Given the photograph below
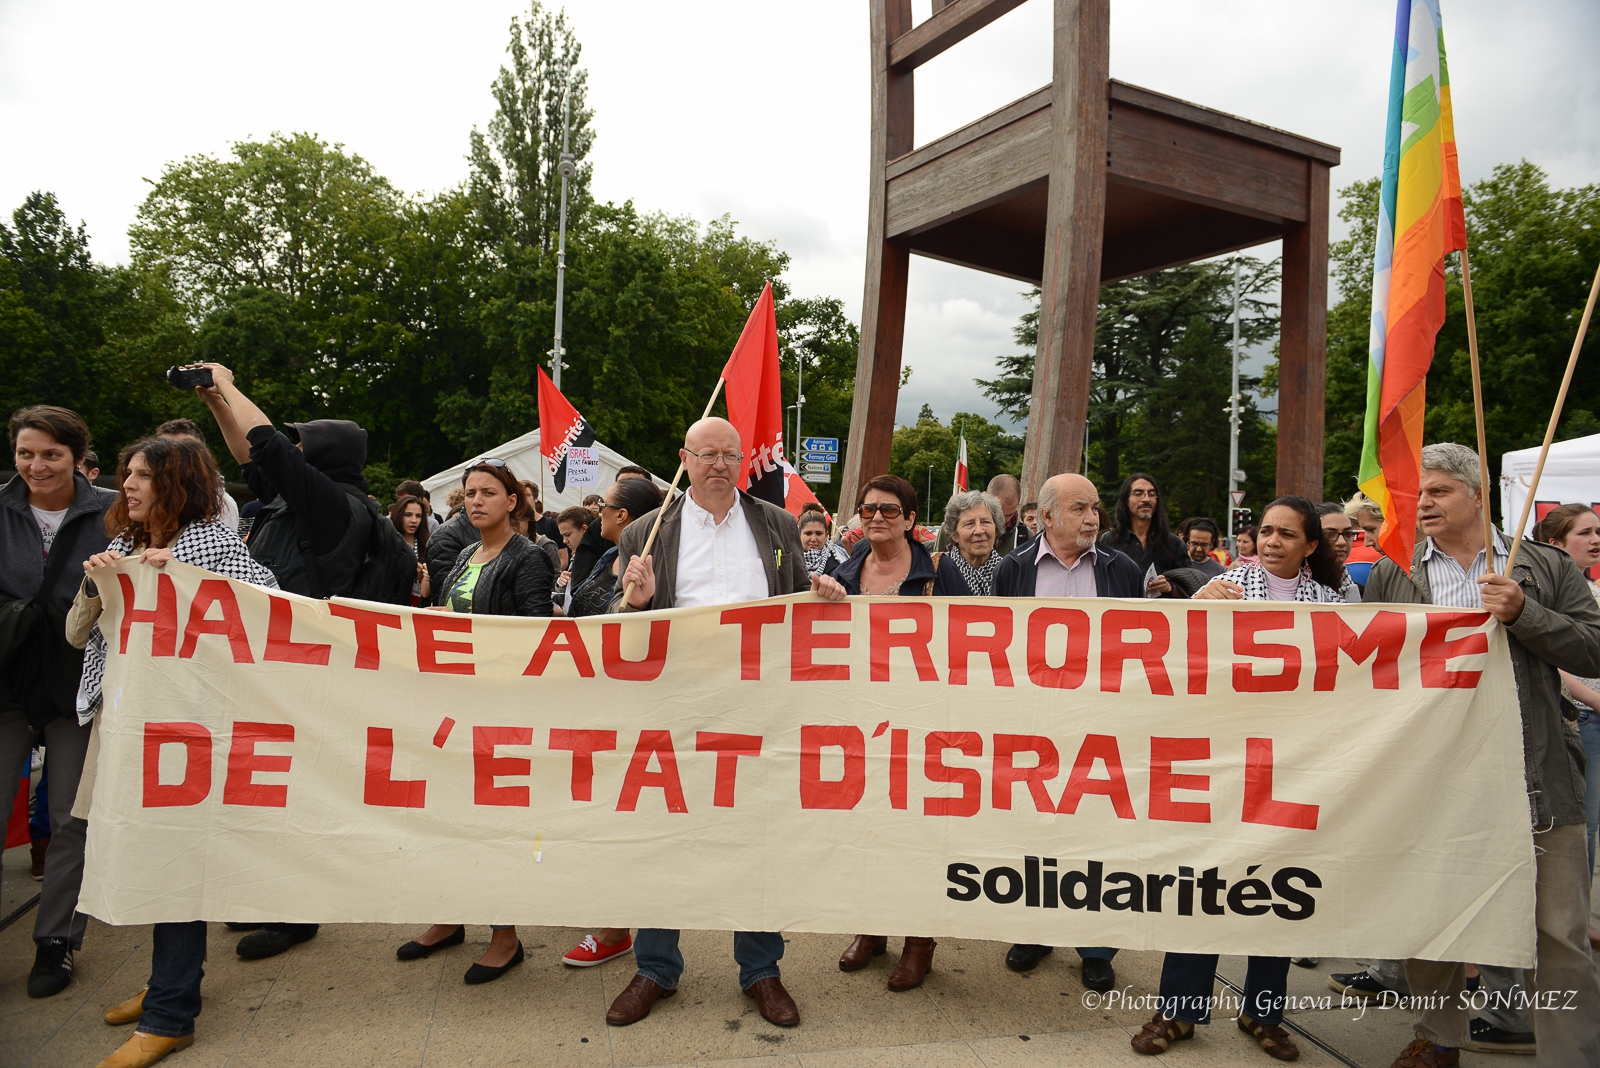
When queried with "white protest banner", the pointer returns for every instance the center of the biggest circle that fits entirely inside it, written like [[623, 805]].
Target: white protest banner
[[1205, 776]]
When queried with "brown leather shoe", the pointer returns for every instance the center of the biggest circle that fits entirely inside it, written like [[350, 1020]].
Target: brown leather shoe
[[128, 1012], [861, 952], [1160, 1033], [635, 1001], [774, 1002], [142, 1050], [915, 960], [1271, 1038], [1424, 1054]]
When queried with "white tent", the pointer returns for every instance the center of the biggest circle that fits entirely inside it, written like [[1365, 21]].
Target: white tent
[[527, 464], [1571, 476]]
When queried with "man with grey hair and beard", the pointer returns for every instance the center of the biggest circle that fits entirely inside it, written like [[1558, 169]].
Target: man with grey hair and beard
[[1065, 559], [1551, 623]]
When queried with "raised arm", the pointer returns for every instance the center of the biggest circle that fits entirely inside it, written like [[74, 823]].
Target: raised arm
[[235, 413]]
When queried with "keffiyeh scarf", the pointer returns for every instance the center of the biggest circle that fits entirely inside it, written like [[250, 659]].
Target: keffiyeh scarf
[[817, 559], [209, 545], [1252, 578]]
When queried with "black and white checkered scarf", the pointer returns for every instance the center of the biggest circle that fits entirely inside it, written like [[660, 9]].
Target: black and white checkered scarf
[[208, 545], [1252, 577]]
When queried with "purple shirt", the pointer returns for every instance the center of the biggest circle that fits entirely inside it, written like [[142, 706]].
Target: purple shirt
[[1056, 579]]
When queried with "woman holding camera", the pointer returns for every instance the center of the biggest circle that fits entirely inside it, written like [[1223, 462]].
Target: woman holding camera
[[168, 510], [504, 574]]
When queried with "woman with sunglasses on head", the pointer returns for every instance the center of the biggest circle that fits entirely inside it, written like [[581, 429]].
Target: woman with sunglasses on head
[[1295, 562], [889, 561], [504, 574], [168, 510]]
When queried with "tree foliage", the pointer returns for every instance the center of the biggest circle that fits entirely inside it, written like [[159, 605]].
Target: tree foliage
[[925, 453], [332, 294], [1162, 373], [1534, 250]]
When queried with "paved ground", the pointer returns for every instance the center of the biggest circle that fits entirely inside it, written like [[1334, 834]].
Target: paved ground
[[343, 1000]]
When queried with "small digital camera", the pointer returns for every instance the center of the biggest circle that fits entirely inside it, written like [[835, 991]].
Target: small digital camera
[[189, 377]]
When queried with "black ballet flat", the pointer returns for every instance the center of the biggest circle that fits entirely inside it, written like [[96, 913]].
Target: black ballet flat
[[416, 950], [483, 973]]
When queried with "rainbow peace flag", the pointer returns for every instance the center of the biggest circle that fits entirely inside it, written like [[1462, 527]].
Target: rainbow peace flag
[[1419, 222]]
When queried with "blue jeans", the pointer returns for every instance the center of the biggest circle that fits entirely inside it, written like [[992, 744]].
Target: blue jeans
[[1187, 980], [656, 951], [1589, 731], [177, 960], [39, 822]]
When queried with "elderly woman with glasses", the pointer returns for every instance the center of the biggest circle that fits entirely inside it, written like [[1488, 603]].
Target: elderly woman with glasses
[[890, 562]]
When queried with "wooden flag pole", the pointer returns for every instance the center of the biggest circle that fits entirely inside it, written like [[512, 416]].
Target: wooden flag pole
[[662, 511], [1477, 404], [1555, 417]]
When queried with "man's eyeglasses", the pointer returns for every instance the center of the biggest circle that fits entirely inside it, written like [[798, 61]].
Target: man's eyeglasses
[[888, 511], [1206, 545], [1139, 493], [711, 459]]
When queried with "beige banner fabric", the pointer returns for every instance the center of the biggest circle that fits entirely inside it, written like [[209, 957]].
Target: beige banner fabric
[[1276, 778]]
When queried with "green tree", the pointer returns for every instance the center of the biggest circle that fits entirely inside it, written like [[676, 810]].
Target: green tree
[[817, 330], [1534, 251], [514, 186], [929, 443], [1145, 398]]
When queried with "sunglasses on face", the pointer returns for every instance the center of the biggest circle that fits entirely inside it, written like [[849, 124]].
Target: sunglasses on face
[[888, 511]]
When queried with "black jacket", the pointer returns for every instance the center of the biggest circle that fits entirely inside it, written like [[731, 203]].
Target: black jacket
[[1164, 555], [947, 581], [42, 676], [515, 583], [1114, 574], [590, 548], [445, 544], [311, 504]]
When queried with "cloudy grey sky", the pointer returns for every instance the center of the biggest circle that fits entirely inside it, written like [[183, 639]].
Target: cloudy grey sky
[[758, 110]]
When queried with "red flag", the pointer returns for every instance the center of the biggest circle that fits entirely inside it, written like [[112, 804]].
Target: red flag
[[755, 402], [561, 427]]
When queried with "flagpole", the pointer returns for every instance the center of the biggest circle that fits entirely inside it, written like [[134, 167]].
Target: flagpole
[[1477, 404], [1555, 417], [662, 511]]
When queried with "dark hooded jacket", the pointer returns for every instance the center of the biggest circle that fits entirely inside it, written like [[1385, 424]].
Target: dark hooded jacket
[[314, 504], [946, 580], [42, 676]]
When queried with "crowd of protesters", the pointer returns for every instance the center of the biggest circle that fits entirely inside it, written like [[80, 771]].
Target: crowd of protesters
[[313, 529]]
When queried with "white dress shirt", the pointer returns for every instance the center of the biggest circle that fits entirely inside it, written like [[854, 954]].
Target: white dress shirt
[[718, 563], [1455, 587]]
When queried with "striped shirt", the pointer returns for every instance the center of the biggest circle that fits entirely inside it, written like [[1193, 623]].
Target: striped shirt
[[1450, 586]]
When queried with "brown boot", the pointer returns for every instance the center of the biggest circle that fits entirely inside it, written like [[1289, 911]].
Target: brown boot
[[861, 951], [142, 1050], [1271, 1038], [128, 1012], [915, 960], [774, 1002], [1424, 1054], [636, 1001]]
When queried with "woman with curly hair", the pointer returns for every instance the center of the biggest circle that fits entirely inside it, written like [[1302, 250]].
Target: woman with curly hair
[[1294, 563], [167, 510]]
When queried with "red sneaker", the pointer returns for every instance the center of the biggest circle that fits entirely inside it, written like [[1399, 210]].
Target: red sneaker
[[589, 952]]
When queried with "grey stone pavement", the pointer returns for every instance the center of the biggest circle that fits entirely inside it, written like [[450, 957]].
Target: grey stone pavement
[[342, 1000]]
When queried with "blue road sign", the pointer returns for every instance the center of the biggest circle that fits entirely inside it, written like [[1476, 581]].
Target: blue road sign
[[820, 444], [820, 456]]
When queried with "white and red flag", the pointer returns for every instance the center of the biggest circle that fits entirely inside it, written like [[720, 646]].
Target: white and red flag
[[561, 427], [961, 466], [755, 407]]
